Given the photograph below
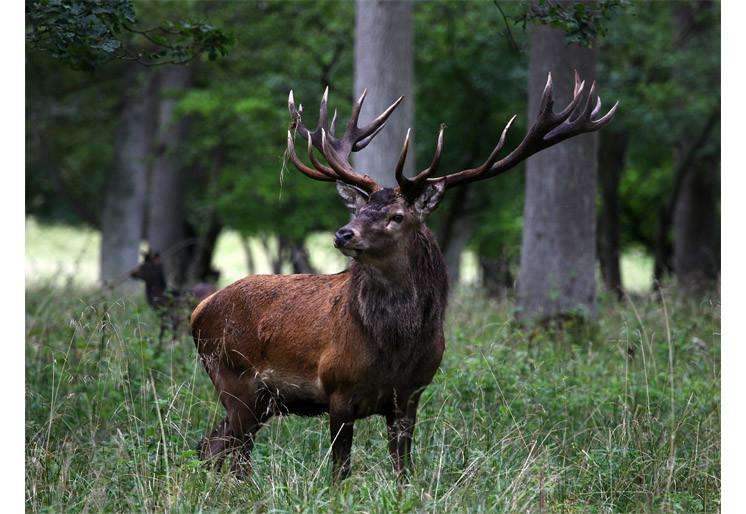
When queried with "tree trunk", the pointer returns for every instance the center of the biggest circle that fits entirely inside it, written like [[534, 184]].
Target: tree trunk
[[384, 64], [694, 210], [463, 227], [249, 254], [276, 257], [686, 162], [300, 260], [200, 266], [558, 252], [455, 232], [612, 156], [124, 204], [166, 224], [497, 279], [696, 248]]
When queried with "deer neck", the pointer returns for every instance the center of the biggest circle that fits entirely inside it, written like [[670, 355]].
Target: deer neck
[[403, 300]]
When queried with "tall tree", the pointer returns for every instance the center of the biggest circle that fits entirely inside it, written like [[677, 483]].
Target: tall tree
[[612, 159], [696, 245], [558, 252], [166, 226], [696, 230], [384, 64], [124, 204]]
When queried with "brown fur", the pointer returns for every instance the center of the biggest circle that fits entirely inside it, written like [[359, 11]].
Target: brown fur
[[362, 342]]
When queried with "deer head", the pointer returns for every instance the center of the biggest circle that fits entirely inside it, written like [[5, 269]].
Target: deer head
[[150, 269], [385, 219]]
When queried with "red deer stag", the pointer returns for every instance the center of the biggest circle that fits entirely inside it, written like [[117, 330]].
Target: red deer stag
[[367, 340]]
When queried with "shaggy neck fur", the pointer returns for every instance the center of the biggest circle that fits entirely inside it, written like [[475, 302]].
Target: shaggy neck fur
[[402, 303]]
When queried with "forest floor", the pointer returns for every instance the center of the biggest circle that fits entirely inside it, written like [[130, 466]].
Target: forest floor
[[619, 415]]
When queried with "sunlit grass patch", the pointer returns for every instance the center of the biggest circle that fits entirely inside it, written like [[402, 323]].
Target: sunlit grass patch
[[62, 254]]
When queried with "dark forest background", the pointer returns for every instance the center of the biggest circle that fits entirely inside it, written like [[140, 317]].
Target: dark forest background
[[165, 123]]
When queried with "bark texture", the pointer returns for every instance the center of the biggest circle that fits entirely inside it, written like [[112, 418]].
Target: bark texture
[[124, 203], [696, 230], [696, 242], [166, 225], [612, 158], [384, 64], [558, 252]]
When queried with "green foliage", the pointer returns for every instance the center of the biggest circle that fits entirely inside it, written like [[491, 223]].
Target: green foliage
[[620, 416], [85, 34], [667, 89], [240, 116], [583, 22], [468, 73], [474, 80]]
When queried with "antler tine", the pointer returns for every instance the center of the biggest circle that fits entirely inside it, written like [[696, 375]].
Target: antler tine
[[597, 107], [326, 170], [606, 118], [344, 171], [336, 150], [378, 123], [322, 109], [548, 129], [546, 97], [410, 188], [475, 173], [295, 114], [586, 113], [310, 172], [364, 142], [333, 126], [399, 171], [578, 84], [355, 114], [436, 158], [577, 97], [499, 146]]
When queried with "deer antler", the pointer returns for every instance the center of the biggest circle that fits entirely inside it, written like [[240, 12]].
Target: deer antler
[[412, 187], [549, 129], [335, 150]]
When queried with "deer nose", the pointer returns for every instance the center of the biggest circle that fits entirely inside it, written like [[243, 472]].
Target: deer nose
[[342, 236]]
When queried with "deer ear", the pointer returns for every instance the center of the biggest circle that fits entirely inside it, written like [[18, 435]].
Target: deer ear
[[353, 197], [430, 198]]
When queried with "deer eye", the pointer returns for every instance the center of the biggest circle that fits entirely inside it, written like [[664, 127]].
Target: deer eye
[[397, 218]]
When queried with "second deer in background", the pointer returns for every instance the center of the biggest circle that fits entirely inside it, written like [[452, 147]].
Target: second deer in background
[[170, 304]]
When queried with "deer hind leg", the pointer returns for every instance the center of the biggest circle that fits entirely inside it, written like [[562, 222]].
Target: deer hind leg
[[247, 409]]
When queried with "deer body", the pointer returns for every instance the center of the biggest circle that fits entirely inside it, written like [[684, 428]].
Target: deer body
[[301, 339], [370, 339], [362, 342]]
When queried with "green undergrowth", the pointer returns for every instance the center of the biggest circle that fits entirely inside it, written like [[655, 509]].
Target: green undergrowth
[[619, 415]]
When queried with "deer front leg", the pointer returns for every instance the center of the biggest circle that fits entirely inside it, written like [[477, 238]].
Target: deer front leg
[[400, 424], [341, 421]]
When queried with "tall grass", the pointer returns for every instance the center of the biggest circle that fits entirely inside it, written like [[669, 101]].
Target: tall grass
[[622, 415]]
